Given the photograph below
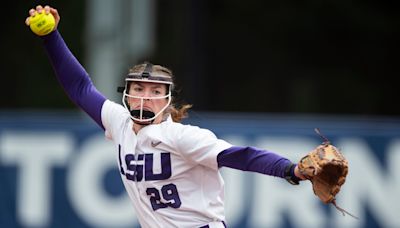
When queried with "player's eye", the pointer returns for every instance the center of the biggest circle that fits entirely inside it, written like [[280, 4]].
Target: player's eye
[[137, 89], [157, 92]]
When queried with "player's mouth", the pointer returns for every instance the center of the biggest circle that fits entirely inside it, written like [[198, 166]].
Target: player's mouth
[[145, 108], [142, 114]]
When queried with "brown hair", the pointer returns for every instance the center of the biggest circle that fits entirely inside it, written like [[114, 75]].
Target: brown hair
[[178, 112]]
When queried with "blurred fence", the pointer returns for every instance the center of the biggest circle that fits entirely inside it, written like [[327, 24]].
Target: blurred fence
[[58, 170]]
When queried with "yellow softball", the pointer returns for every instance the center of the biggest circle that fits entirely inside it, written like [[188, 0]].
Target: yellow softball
[[42, 23]]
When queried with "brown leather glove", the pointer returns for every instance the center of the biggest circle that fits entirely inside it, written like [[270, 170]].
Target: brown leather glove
[[327, 169]]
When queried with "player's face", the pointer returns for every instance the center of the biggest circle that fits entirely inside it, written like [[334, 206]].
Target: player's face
[[149, 90]]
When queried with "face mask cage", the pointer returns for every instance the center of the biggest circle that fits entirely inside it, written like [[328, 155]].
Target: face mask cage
[[141, 115]]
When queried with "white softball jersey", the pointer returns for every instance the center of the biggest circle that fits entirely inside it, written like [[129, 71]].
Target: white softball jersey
[[169, 170]]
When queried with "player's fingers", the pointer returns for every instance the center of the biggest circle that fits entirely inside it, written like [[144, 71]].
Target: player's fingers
[[55, 14], [27, 21], [47, 9], [32, 12], [54, 11], [39, 8]]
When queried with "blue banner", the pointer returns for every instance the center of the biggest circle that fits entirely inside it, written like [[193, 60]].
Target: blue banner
[[58, 170]]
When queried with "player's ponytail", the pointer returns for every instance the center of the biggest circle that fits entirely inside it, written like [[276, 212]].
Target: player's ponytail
[[180, 113]]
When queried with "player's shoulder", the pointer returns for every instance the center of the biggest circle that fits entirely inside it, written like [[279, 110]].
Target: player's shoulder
[[172, 125], [181, 129], [114, 110], [114, 107], [114, 116]]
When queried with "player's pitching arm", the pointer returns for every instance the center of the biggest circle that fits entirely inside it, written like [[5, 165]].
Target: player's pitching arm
[[70, 73]]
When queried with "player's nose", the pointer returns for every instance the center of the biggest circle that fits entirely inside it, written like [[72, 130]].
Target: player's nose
[[147, 93]]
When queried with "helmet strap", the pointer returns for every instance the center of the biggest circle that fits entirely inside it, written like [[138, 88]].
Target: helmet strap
[[147, 70]]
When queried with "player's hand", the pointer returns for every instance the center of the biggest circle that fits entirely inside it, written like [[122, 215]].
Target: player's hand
[[47, 10], [298, 173]]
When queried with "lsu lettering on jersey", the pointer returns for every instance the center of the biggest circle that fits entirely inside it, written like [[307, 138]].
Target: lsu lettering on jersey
[[169, 170]]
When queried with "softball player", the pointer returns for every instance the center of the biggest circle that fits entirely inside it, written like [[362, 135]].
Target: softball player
[[170, 170]]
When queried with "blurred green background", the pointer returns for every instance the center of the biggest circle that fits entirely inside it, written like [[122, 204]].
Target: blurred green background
[[322, 57]]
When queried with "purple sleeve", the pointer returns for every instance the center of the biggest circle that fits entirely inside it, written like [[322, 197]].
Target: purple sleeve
[[73, 77], [253, 159]]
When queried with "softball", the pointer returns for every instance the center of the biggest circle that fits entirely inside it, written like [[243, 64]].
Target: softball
[[42, 23]]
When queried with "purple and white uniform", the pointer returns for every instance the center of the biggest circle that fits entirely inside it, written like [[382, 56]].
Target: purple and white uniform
[[170, 170]]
